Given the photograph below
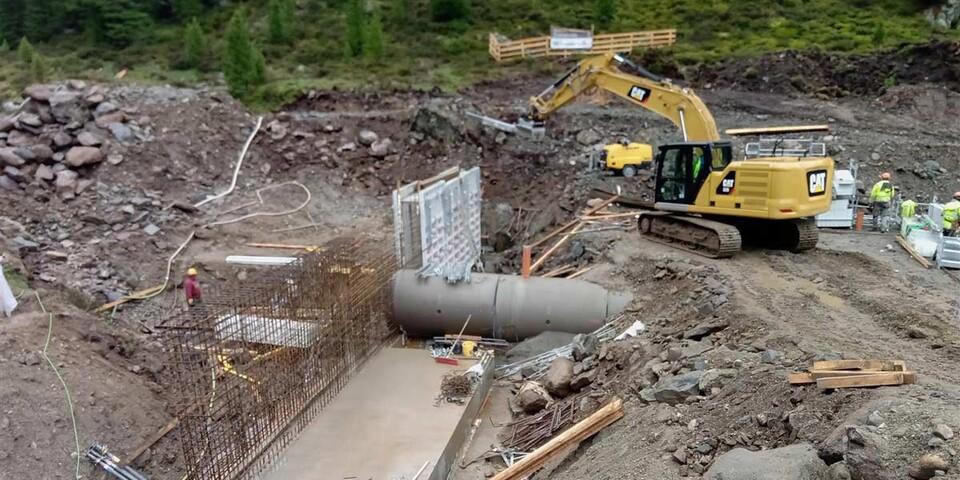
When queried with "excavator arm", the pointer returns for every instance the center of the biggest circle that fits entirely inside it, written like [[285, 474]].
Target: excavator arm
[[679, 105]]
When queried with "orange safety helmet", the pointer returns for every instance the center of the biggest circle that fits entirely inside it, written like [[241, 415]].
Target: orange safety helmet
[[885, 176]]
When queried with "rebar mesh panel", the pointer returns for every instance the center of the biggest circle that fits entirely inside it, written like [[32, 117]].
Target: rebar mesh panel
[[258, 360]]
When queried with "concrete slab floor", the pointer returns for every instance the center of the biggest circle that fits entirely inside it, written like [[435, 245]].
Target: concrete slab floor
[[383, 426]]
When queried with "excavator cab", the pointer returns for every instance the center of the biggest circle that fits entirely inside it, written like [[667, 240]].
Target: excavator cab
[[683, 168]]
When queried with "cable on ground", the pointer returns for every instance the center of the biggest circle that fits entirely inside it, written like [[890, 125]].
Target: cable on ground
[[73, 417]]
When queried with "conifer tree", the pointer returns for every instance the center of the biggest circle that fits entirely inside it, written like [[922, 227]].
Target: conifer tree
[[243, 65], [25, 52], [373, 40], [195, 47], [355, 31]]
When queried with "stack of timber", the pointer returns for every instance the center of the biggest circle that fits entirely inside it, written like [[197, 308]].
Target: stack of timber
[[855, 373]]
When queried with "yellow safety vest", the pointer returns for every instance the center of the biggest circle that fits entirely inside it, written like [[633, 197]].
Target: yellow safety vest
[[908, 209], [951, 212], [882, 192]]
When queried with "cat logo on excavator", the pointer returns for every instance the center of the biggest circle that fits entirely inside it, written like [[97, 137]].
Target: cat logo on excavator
[[817, 182]]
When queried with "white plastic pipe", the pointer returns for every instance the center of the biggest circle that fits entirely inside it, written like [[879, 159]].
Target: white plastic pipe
[[236, 171], [260, 261]]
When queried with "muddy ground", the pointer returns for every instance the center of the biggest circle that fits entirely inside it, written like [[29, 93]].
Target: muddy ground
[[855, 296]]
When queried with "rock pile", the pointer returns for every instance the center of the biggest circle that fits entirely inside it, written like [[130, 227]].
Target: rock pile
[[58, 134]]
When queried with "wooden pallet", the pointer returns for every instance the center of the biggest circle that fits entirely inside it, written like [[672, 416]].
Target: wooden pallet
[[854, 373]]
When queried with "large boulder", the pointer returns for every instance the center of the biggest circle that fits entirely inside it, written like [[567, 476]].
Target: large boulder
[[68, 107], [367, 137], [7, 124], [435, 125], [557, 380], [532, 397], [42, 152], [380, 148], [81, 156], [674, 389], [583, 346], [88, 139], [40, 93], [588, 137], [716, 378], [121, 132], [794, 462], [10, 158]]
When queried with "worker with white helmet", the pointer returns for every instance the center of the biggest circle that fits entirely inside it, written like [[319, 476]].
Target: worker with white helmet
[[951, 215], [881, 195], [191, 287]]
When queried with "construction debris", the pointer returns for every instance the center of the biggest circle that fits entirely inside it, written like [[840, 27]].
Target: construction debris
[[529, 433], [541, 363], [101, 457], [583, 430], [456, 385], [855, 373]]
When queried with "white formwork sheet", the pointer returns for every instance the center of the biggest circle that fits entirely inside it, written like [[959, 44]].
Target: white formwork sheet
[[446, 215]]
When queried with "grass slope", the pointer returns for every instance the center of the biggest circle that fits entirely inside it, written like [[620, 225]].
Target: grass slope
[[425, 54]]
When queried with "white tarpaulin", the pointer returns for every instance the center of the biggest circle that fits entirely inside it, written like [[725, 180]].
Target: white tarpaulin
[[7, 301]]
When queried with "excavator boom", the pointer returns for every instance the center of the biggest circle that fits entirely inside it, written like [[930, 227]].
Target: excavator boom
[[678, 104]]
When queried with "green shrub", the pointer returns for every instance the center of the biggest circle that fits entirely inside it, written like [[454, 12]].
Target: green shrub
[[356, 18], [373, 40], [605, 12], [281, 20], [448, 10], [243, 65], [194, 46], [25, 52]]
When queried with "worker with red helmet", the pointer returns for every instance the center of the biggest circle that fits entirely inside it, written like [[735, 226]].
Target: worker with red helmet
[[191, 287], [881, 195], [951, 216]]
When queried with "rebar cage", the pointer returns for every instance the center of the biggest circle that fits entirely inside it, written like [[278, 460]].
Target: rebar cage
[[256, 361]]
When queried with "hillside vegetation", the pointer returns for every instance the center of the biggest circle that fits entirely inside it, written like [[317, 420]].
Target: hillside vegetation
[[273, 49]]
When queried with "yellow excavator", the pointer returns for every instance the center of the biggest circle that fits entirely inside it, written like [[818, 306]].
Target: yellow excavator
[[705, 201]]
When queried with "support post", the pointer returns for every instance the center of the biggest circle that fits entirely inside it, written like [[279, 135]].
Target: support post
[[526, 260]]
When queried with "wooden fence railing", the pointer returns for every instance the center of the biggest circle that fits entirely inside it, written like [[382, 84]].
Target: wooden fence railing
[[503, 50]]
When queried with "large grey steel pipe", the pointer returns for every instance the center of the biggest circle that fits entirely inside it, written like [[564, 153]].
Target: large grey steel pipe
[[502, 306]]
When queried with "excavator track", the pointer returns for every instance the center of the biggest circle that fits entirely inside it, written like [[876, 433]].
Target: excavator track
[[697, 235], [807, 234]]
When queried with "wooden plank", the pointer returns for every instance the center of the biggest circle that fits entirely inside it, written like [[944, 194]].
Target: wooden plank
[[913, 252], [166, 429], [856, 364], [817, 374], [556, 272], [611, 215], [777, 130], [800, 378], [550, 251], [284, 246], [573, 222], [583, 430], [877, 379], [133, 296], [580, 272]]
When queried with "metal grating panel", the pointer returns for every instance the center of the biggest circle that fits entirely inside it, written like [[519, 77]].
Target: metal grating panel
[[448, 222]]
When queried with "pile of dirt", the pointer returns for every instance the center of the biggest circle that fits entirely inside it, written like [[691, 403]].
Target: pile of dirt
[[836, 75]]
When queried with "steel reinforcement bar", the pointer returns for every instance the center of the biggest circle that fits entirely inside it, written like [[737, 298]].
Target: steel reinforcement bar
[[256, 361]]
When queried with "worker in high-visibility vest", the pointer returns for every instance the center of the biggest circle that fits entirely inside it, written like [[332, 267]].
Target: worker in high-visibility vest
[[908, 209], [880, 197], [951, 216]]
